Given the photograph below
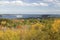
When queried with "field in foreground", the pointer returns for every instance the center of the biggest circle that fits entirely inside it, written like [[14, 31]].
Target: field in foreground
[[30, 29]]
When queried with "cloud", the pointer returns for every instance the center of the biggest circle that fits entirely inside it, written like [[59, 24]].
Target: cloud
[[57, 0], [21, 3], [43, 4], [48, 0], [4, 2], [54, 3], [17, 3]]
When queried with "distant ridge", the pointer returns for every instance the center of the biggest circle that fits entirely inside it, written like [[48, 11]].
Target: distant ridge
[[28, 15]]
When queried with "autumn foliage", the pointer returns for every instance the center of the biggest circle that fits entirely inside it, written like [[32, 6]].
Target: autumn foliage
[[30, 29]]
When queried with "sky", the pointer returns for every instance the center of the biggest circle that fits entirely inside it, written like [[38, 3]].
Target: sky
[[29, 6]]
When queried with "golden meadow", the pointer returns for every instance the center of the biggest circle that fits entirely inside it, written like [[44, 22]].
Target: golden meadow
[[30, 29]]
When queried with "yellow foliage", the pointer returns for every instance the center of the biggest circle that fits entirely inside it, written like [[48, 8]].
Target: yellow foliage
[[1, 33], [9, 34], [37, 25], [3, 22], [56, 25]]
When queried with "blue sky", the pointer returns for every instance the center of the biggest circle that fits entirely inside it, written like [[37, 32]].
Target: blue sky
[[29, 6]]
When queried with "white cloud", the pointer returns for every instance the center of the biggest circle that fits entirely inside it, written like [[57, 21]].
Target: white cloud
[[54, 3], [57, 0], [4, 2], [57, 4], [17, 3], [48, 0], [35, 4], [21, 3], [43, 4]]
